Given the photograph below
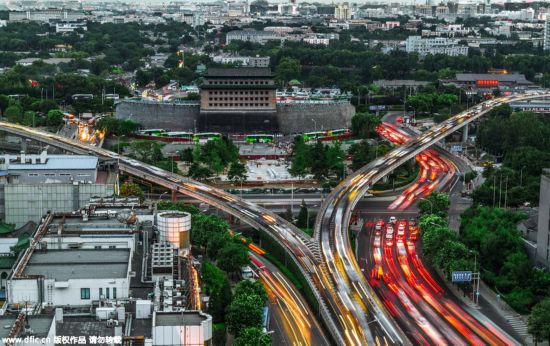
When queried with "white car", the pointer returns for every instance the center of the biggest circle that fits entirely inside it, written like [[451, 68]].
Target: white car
[[392, 219]]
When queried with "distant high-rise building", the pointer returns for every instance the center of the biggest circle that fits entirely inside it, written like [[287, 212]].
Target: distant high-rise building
[[342, 12], [547, 33]]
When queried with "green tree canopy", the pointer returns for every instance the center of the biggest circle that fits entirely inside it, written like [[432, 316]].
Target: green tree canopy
[[539, 321], [252, 336], [363, 125]]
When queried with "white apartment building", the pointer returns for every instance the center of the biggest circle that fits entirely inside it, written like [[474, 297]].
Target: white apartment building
[[261, 37], [46, 15], [342, 12], [248, 61], [438, 45]]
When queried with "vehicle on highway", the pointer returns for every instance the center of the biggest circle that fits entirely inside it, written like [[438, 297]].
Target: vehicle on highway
[[378, 226], [413, 229], [401, 230], [389, 239], [393, 219]]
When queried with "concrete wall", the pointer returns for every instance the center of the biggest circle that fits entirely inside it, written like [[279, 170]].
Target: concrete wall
[[154, 115], [291, 118], [297, 118]]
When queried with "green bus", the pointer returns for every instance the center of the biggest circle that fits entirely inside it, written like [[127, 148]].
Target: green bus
[[259, 138], [207, 136]]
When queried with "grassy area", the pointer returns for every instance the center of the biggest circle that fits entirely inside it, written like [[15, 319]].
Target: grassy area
[[287, 273], [399, 182], [351, 239], [308, 231]]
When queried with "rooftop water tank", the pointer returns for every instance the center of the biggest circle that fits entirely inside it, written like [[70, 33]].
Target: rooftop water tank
[[174, 227]]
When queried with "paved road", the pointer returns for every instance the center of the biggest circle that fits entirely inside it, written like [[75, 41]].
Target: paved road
[[293, 322]]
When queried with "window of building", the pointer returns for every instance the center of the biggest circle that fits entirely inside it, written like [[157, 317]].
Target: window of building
[[33, 174], [49, 174], [114, 292], [100, 292], [97, 247], [107, 293], [84, 293], [112, 246], [64, 174]]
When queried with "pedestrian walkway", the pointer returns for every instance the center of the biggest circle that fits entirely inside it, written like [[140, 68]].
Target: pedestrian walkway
[[518, 323]]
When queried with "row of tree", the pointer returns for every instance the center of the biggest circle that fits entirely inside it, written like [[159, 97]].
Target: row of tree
[[321, 160], [213, 158], [492, 232], [242, 310], [522, 140]]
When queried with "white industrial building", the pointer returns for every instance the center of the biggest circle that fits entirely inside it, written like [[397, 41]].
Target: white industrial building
[[438, 45], [70, 277], [191, 328], [30, 185]]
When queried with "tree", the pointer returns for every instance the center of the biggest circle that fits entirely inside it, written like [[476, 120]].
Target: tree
[[117, 127], [360, 154], [300, 158], [54, 118], [251, 287], [205, 227], [14, 113], [186, 155], [146, 151], [319, 163], [363, 125], [286, 70], [218, 288], [246, 310], [237, 171], [335, 158], [199, 172], [129, 189], [302, 216], [232, 256], [436, 203], [252, 336], [4, 103], [539, 321]]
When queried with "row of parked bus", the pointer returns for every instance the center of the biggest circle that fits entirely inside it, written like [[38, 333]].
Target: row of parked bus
[[179, 136]]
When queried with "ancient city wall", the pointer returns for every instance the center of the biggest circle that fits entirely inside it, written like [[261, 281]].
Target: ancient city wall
[[291, 117]]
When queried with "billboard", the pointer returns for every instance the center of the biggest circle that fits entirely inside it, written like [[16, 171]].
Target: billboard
[[486, 83]]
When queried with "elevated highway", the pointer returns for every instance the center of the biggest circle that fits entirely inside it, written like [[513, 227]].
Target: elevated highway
[[347, 304], [301, 248], [331, 226]]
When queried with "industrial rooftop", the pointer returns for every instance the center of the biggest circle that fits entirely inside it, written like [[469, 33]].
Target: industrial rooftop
[[186, 318], [51, 162], [64, 265]]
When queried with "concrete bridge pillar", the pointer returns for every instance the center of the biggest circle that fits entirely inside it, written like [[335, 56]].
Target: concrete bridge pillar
[[465, 134], [174, 196], [23, 145]]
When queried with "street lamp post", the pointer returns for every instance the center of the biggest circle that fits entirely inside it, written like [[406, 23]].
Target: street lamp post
[[431, 204], [476, 275], [521, 176], [315, 123]]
